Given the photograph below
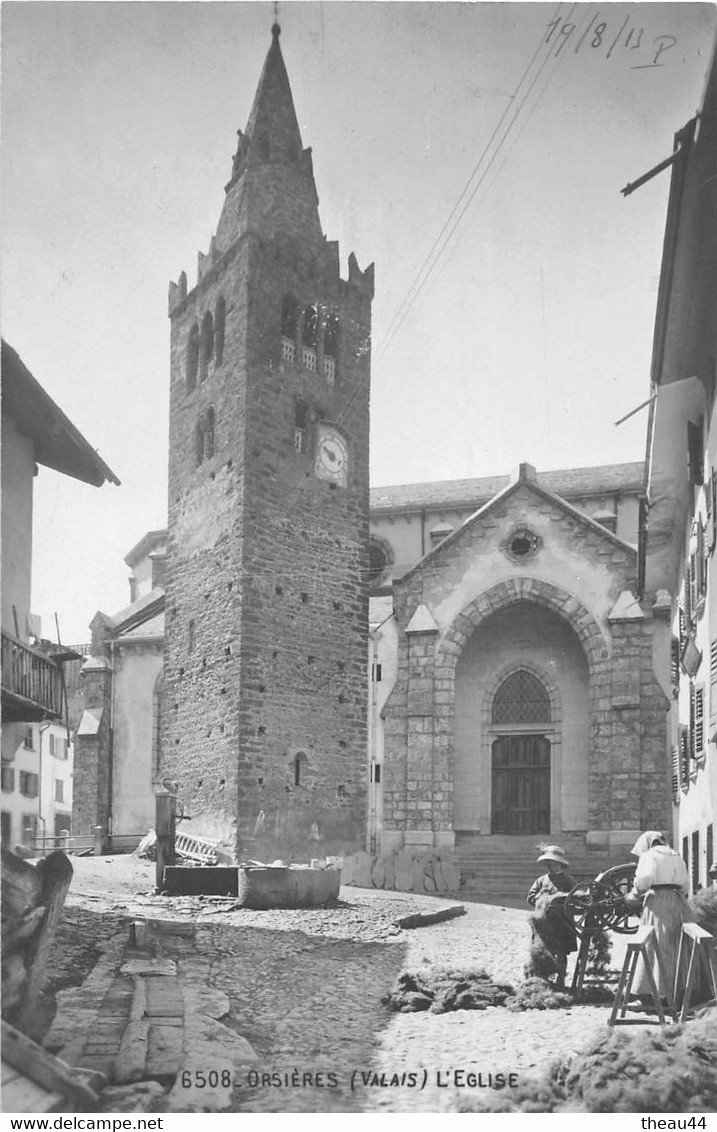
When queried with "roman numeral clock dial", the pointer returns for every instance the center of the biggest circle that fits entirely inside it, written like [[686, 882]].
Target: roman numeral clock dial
[[332, 457]]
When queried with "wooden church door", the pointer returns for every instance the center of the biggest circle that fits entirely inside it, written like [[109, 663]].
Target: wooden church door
[[521, 784], [520, 764]]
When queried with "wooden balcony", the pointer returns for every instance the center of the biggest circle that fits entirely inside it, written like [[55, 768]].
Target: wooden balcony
[[31, 683]]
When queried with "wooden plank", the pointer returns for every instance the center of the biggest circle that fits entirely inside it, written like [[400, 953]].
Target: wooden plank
[[8, 1073], [21, 1053], [23, 1095]]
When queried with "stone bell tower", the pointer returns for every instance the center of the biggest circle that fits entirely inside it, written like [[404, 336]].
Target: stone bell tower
[[264, 716]]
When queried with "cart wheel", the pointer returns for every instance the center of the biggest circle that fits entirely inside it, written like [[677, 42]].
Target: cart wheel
[[619, 880], [591, 907]]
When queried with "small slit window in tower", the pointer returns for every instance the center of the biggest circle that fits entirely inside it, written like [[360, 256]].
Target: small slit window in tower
[[521, 698], [220, 315], [207, 345], [190, 637], [192, 358], [209, 418], [198, 443], [300, 764]]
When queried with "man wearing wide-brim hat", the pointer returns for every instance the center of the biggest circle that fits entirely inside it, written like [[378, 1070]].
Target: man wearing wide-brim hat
[[551, 922]]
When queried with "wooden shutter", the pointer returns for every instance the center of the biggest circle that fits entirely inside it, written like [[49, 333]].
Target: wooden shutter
[[695, 454], [689, 605], [675, 662], [684, 757], [697, 710], [675, 774], [700, 565]]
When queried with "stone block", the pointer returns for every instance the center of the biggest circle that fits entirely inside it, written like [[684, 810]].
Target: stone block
[[404, 871], [215, 881], [356, 869]]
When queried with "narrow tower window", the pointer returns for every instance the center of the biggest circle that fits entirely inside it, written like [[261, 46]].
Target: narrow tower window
[[219, 320], [199, 442], [300, 763], [331, 346], [289, 320], [209, 433], [289, 312], [207, 345], [310, 326], [300, 419], [192, 357], [309, 335]]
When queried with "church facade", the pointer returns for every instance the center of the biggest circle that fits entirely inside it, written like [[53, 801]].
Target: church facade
[[522, 694]]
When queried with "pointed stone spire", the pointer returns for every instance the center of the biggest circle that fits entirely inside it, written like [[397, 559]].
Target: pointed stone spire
[[273, 118], [272, 184]]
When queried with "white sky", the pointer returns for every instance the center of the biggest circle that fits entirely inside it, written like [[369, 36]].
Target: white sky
[[534, 331]]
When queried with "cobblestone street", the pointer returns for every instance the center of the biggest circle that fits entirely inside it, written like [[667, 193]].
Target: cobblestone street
[[289, 1002]]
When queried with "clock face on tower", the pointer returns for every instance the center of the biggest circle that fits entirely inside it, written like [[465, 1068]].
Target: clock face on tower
[[332, 456]]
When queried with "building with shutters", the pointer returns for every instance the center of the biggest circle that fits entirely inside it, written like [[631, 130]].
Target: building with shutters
[[681, 535], [35, 433]]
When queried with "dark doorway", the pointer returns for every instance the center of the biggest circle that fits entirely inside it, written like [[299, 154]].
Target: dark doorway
[[521, 784]]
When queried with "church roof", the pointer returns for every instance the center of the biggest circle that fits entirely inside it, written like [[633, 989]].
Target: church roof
[[575, 483], [525, 479]]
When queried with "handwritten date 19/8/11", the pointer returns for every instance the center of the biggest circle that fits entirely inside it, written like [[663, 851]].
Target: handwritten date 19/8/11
[[601, 35]]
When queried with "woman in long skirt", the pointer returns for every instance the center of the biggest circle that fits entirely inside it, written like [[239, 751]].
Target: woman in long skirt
[[662, 879]]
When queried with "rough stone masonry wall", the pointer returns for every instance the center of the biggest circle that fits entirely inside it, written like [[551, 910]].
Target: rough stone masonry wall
[[305, 615], [200, 732], [269, 563], [629, 784], [91, 763]]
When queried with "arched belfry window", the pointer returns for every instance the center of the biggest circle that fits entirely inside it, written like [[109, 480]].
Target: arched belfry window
[[331, 346], [521, 698], [310, 326], [207, 345], [309, 337], [219, 321], [192, 357], [331, 336]]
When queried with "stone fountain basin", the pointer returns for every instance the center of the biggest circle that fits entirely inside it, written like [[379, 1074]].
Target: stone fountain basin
[[287, 886], [258, 886]]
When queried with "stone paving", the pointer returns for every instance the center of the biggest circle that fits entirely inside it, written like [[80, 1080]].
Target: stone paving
[[281, 1011]]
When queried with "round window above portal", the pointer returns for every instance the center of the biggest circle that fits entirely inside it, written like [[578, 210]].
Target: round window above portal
[[521, 543]]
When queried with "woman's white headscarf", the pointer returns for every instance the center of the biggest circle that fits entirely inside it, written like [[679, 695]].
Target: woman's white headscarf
[[646, 840]]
